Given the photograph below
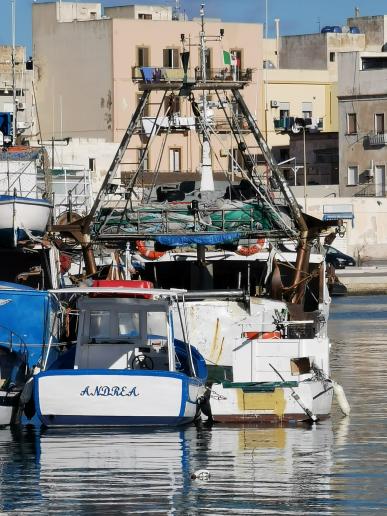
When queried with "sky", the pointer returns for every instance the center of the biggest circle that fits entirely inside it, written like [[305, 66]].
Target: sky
[[297, 16]]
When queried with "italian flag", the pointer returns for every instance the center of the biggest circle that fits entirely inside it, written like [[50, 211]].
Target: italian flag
[[229, 58]]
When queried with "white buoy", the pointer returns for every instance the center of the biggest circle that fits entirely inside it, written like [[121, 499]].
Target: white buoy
[[341, 398], [201, 474]]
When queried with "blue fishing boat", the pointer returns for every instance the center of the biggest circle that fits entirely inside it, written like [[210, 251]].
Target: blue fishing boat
[[126, 367], [28, 323]]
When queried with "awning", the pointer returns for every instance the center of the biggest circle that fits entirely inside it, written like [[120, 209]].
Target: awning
[[338, 215]]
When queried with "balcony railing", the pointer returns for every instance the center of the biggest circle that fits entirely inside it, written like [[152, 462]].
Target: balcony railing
[[295, 124], [378, 139], [152, 74]]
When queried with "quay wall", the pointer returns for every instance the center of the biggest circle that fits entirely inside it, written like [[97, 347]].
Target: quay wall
[[364, 280], [366, 234]]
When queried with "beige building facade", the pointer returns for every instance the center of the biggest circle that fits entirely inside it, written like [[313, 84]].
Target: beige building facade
[[84, 70]]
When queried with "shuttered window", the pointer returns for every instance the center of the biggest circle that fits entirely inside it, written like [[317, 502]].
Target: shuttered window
[[351, 123], [171, 58], [353, 176], [142, 56], [379, 123]]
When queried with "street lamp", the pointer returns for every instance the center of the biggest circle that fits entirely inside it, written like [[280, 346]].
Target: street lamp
[[295, 168]]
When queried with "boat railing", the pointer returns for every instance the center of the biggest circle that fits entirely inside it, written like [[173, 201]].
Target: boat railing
[[307, 329], [19, 183], [162, 75], [11, 340]]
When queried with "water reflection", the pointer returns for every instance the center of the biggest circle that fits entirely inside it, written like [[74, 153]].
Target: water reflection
[[335, 467], [252, 470]]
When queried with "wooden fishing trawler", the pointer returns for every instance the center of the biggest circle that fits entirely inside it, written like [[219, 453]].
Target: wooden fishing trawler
[[256, 300]]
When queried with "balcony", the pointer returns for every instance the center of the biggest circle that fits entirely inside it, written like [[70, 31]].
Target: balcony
[[377, 139], [295, 124], [155, 75]]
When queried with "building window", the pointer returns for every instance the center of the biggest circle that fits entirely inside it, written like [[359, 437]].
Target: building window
[[142, 56], [284, 154], [142, 166], [175, 160], [380, 180], [146, 107], [236, 162], [92, 164], [307, 109], [332, 57], [379, 123], [171, 58], [238, 55], [284, 110], [143, 16], [351, 123], [353, 176], [172, 104]]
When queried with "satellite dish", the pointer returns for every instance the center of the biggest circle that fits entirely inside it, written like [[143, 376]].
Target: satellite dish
[[296, 129]]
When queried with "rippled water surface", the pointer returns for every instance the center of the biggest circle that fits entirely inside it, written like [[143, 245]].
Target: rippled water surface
[[336, 467]]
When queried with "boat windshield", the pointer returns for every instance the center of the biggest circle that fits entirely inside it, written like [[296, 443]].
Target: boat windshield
[[99, 324], [157, 329], [137, 325], [129, 324]]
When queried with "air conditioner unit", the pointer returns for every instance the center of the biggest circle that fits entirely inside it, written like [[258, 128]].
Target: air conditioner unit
[[21, 106], [274, 103]]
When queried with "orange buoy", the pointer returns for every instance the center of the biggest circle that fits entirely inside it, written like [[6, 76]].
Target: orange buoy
[[252, 335], [252, 249], [149, 254]]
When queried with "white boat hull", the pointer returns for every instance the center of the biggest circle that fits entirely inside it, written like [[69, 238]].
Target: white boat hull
[[277, 405], [8, 406], [219, 329], [111, 397], [21, 218]]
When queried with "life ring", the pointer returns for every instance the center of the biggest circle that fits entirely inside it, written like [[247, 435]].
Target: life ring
[[149, 254], [251, 249]]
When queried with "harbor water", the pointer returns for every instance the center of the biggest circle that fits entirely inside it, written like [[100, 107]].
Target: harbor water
[[338, 466]]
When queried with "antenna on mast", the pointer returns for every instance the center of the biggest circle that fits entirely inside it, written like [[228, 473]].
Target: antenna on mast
[[14, 114], [176, 11]]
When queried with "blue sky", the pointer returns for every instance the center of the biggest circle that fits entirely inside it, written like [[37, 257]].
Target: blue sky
[[297, 16]]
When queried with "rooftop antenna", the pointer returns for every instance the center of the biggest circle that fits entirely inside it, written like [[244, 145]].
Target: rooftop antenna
[[357, 12], [207, 180], [13, 72], [176, 11]]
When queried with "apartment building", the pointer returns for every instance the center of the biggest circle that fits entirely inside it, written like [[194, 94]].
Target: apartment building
[[300, 78], [21, 105], [362, 120], [85, 61]]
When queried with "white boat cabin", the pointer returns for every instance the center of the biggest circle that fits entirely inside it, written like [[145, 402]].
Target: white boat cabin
[[125, 333]]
